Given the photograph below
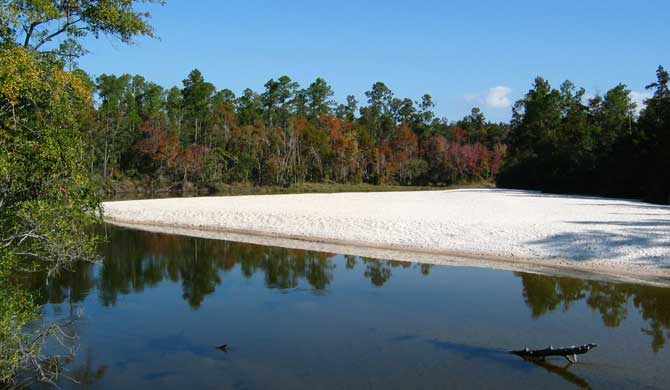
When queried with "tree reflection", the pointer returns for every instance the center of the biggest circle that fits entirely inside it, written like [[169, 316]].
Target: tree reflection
[[377, 271], [544, 294], [380, 271], [134, 260], [88, 375]]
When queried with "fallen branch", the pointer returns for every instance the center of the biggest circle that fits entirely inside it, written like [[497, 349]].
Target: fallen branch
[[551, 351]]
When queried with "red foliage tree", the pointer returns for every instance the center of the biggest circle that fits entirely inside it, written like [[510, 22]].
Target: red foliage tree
[[190, 159], [159, 146], [344, 146]]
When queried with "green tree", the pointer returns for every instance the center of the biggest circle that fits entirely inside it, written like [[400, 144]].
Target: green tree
[[655, 127], [347, 111], [249, 109], [38, 24], [47, 200], [276, 101], [150, 100], [614, 136], [474, 125], [197, 95], [174, 103], [425, 115], [319, 95], [46, 197], [114, 113], [378, 115], [536, 121], [613, 114], [224, 117]]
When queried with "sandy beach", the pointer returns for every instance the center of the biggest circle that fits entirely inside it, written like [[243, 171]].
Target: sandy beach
[[628, 239]]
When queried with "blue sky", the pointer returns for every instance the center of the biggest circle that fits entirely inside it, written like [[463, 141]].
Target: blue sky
[[464, 53]]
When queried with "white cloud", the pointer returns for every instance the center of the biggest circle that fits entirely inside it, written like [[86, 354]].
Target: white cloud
[[638, 98], [496, 97]]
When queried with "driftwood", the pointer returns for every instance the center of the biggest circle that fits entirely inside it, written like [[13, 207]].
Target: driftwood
[[551, 351]]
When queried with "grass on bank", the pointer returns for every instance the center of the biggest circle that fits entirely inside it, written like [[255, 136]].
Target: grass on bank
[[302, 188], [296, 188]]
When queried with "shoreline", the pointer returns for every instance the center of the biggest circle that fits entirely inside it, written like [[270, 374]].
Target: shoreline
[[588, 237], [557, 267]]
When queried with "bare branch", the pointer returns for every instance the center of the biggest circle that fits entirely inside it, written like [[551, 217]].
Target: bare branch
[[57, 32], [30, 30]]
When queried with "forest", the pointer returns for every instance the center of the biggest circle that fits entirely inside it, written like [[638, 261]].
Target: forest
[[197, 137]]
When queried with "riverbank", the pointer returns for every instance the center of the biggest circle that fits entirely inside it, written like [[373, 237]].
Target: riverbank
[[131, 190], [623, 239]]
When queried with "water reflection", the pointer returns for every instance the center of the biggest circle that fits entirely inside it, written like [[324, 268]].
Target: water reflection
[[134, 261], [564, 372], [88, 374], [544, 294]]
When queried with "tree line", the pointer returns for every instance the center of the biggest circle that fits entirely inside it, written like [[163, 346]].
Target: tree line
[[557, 140], [285, 134], [561, 142]]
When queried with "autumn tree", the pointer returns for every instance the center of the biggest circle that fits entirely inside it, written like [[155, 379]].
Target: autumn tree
[[159, 149], [344, 146], [404, 158]]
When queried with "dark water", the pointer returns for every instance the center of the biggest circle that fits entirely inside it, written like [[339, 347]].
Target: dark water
[[154, 310]]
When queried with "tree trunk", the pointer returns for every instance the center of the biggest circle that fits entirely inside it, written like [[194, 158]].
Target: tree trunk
[[196, 132]]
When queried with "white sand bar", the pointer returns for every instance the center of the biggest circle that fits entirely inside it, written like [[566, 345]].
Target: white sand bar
[[607, 236]]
